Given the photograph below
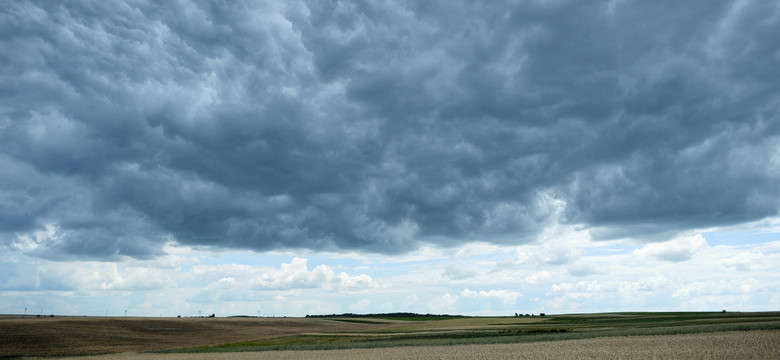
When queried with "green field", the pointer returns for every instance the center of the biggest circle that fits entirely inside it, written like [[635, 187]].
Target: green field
[[422, 331]]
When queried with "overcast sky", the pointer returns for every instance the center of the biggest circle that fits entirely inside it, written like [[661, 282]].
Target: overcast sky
[[299, 157]]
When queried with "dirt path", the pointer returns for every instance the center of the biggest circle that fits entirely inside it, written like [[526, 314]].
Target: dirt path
[[724, 345]]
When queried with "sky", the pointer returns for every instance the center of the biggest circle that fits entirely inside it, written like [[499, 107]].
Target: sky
[[287, 157]]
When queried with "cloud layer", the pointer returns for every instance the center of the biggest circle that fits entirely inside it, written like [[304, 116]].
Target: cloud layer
[[381, 127], [497, 280]]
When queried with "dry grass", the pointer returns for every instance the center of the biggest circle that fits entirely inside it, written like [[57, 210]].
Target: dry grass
[[46, 336], [722, 345]]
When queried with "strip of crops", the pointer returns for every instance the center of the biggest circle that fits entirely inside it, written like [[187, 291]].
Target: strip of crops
[[330, 343]]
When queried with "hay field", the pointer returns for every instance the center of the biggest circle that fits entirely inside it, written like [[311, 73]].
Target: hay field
[[762, 344]]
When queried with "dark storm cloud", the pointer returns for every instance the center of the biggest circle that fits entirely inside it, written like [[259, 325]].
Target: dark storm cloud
[[378, 126]]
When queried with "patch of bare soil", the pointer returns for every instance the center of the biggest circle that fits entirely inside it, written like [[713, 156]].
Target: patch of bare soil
[[64, 336]]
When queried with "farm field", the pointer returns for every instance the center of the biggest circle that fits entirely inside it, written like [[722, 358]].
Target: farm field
[[715, 346], [180, 338], [63, 335]]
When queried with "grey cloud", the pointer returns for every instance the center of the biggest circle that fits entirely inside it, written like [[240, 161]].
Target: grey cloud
[[378, 127]]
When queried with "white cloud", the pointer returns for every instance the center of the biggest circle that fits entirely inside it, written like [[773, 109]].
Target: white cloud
[[29, 242], [474, 249], [768, 247], [654, 282], [296, 275], [58, 276], [138, 278], [745, 261], [611, 289], [775, 300], [228, 282], [346, 282], [614, 279], [537, 277], [728, 286], [362, 305], [446, 303], [679, 249], [455, 272], [583, 270], [507, 297], [586, 288]]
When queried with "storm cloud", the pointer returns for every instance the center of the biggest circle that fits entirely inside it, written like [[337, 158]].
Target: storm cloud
[[381, 126]]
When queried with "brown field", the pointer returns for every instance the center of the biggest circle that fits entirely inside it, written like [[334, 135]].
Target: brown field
[[722, 345], [125, 337], [46, 336]]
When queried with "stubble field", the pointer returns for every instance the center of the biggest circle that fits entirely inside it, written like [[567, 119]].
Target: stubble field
[[603, 336]]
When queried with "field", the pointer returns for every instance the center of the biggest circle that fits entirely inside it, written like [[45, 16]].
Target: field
[[638, 335], [49, 336]]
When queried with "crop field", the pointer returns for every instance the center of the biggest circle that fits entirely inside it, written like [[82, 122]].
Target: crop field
[[635, 335], [715, 346], [57, 336]]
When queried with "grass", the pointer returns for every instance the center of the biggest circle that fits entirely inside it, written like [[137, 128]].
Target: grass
[[479, 330]]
